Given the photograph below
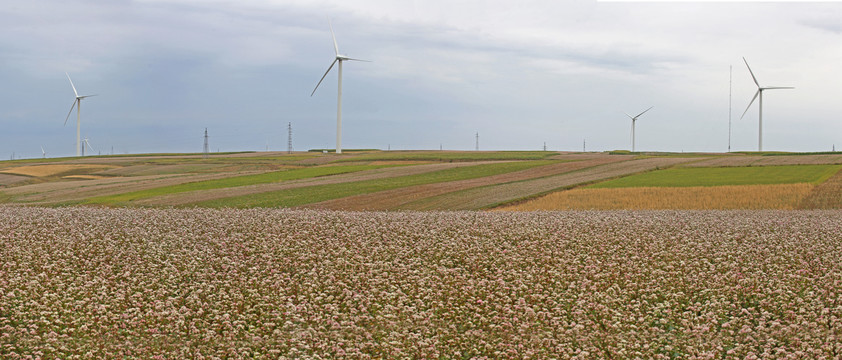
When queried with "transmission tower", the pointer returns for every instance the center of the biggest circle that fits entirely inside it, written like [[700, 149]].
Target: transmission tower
[[205, 151], [289, 138]]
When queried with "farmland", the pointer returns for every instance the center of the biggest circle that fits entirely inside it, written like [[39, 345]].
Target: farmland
[[264, 283], [419, 180]]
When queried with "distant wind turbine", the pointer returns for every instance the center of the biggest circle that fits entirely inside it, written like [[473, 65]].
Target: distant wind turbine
[[43, 153], [88, 145], [339, 58], [634, 119], [759, 93], [78, 104]]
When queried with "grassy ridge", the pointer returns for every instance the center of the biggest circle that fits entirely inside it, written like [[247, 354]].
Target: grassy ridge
[[314, 194], [265, 178], [682, 177]]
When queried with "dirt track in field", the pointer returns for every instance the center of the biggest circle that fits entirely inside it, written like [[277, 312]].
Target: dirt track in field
[[392, 199], [204, 195], [487, 196]]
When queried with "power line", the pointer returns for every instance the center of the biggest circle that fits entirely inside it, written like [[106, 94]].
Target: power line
[[477, 146], [289, 138], [205, 151]]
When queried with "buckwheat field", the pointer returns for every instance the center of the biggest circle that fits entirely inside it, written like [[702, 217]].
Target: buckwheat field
[[80, 283]]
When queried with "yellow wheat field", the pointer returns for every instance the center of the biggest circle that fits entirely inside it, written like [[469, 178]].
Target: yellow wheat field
[[785, 196], [51, 170]]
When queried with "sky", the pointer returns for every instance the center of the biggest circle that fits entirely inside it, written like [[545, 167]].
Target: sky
[[521, 74]]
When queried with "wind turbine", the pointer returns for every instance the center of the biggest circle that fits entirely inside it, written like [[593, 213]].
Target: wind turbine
[[88, 144], [43, 153], [759, 93], [78, 104], [339, 58], [634, 119]]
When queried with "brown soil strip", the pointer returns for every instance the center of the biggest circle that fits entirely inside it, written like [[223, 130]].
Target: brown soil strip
[[755, 160], [746, 197], [827, 195], [484, 197], [391, 199], [204, 195]]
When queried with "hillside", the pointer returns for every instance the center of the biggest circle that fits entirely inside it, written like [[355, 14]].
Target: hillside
[[431, 180]]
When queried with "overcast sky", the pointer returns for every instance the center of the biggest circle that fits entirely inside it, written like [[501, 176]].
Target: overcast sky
[[521, 73]]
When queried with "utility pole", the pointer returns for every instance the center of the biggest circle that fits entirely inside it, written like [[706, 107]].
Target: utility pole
[[289, 138], [205, 150], [477, 146]]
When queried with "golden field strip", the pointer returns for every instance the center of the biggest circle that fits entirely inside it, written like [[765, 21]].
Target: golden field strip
[[541, 181]]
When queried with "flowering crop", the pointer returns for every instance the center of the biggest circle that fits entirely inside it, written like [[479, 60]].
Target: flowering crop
[[266, 283]]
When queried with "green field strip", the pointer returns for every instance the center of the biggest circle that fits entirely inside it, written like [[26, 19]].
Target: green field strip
[[265, 178], [450, 156], [755, 175], [318, 193]]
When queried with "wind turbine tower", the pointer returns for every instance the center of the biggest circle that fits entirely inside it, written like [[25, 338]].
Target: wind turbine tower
[[339, 58], [78, 104], [759, 94], [634, 119]]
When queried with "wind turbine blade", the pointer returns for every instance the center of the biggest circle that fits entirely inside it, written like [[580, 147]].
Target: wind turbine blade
[[644, 111], [323, 76], [778, 87], [71, 84], [751, 72], [42, 150], [627, 114], [70, 112], [335, 45], [86, 96], [347, 58], [751, 102], [89, 145]]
